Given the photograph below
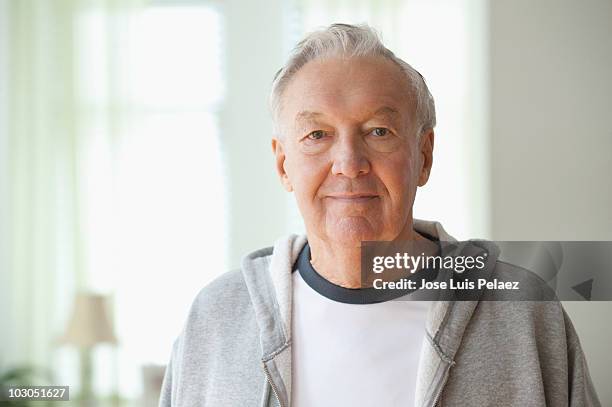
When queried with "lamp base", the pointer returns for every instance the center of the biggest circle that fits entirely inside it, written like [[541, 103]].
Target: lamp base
[[86, 396]]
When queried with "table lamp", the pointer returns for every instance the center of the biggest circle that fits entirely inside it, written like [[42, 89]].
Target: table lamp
[[88, 326]]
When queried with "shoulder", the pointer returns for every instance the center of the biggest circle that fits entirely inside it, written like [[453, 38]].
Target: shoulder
[[518, 284], [536, 296], [517, 299], [531, 310], [220, 310], [229, 294], [221, 297], [220, 316]]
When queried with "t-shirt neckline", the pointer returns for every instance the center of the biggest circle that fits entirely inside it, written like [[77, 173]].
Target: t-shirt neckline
[[334, 292]]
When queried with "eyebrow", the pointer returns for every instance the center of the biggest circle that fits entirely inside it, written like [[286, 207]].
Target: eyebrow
[[309, 115], [386, 110]]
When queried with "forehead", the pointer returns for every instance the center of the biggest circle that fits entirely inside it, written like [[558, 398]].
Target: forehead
[[347, 88]]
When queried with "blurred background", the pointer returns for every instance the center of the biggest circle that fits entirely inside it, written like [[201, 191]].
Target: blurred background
[[135, 161]]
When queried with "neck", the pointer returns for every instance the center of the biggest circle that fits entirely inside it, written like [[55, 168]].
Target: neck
[[341, 264]]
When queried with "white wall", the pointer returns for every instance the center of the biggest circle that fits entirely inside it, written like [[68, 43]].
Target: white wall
[[4, 275], [551, 138], [254, 53]]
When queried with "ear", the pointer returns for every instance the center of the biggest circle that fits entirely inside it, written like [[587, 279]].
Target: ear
[[279, 154], [426, 145]]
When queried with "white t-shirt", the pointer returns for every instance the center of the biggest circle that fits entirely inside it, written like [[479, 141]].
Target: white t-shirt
[[352, 354]]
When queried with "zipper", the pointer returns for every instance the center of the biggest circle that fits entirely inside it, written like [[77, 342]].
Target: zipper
[[271, 383], [439, 392]]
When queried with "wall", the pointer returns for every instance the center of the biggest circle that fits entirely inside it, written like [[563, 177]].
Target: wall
[[4, 275], [257, 212], [551, 138]]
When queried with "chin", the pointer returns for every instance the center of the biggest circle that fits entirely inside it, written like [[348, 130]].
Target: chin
[[351, 231]]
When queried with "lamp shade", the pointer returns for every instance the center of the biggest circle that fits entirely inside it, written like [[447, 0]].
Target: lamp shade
[[89, 324]]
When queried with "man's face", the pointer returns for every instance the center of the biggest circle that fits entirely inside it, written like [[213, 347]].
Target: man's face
[[349, 149]]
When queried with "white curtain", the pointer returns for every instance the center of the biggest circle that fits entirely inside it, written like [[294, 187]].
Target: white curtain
[[111, 176], [42, 261], [47, 169]]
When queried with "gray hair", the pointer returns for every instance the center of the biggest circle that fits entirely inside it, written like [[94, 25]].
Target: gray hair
[[350, 41]]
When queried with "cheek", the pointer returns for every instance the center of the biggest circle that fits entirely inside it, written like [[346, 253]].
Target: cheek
[[398, 175], [307, 174]]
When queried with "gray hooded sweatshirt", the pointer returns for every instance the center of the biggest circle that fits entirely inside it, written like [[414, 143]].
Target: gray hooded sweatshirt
[[235, 347]]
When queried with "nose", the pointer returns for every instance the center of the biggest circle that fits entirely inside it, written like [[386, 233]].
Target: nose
[[349, 158]]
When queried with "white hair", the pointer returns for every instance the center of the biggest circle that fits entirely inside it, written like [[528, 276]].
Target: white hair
[[350, 41]]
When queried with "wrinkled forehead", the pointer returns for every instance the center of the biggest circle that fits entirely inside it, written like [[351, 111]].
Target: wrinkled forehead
[[347, 89]]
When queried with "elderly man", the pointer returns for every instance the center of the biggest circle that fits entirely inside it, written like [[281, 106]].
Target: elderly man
[[294, 326]]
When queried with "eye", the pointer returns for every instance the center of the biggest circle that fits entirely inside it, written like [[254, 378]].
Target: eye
[[316, 135], [380, 132]]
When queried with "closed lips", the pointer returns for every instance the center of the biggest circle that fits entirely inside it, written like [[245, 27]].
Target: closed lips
[[354, 197]]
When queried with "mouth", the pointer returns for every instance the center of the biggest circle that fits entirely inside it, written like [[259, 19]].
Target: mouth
[[354, 198]]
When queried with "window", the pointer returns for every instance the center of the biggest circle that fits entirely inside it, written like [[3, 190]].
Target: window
[[151, 84]]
